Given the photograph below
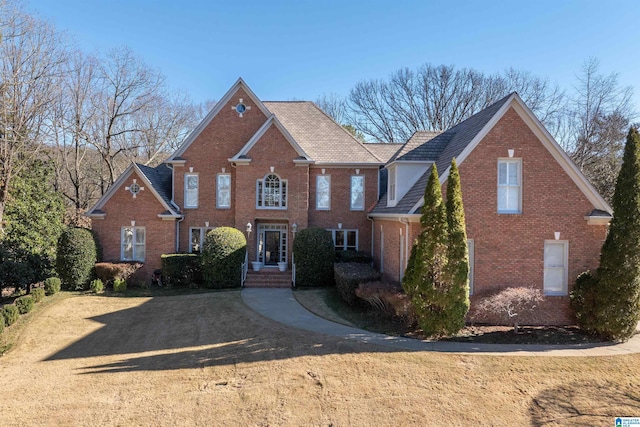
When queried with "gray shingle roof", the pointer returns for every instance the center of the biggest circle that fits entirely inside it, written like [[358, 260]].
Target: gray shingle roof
[[440, 149], [160, 178], [416, 149], [324, 140]]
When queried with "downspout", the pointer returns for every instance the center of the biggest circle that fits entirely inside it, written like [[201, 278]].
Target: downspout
[[373, 254], [173, 190], [178, 233], [406, 240]]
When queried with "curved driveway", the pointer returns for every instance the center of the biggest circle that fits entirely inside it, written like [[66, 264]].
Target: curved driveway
[[280, 305]]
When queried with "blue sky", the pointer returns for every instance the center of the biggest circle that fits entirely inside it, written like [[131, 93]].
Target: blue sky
[[302, 49]]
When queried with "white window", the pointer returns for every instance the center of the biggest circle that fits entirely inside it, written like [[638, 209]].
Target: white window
[[132, 244], [323, 192], [357, 192], [509, 186], [345, 240], [197, 236], [191, 190], [223, 189], [556, 255], [271, 192], [391, 191], [471, 247]]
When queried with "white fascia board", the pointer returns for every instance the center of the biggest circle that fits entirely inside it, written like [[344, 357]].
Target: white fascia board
[[118, 184], [347, 165], [214, 112], [395, 217], [598, 220]]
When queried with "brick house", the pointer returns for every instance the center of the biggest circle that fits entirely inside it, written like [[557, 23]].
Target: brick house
[[278, 167]]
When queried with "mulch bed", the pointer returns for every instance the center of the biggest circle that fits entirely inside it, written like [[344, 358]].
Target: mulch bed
[[525, 335]]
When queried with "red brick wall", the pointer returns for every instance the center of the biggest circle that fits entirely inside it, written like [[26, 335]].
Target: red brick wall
[[509, 248], [225, 135], [272, 150], [120, 210], [340, 211]]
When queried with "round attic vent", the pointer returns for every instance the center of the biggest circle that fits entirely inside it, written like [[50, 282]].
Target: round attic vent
[[241, 108]]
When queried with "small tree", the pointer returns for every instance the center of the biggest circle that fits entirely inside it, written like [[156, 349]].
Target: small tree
[[223, 253], [616, 298], [426, 279], [457, 254], [76, 258]]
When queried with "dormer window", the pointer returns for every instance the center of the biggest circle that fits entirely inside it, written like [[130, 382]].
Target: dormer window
[[271, 192], [391, 188]]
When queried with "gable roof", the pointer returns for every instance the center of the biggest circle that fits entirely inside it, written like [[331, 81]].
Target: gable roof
[[272, 120], [324, 140], [157, 180], [214, 111], [383, 150], [459, 142], [416, 149]]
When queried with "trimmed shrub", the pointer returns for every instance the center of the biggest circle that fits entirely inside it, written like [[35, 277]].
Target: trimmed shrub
[[108, 272], [583, 300], [180, 269], [388, 298], [76, 257], [119, 285], [355, 256], [511, 306], [223, 253], [96, 286], [351, 274], [25, 304], [52, 285], [10, 314], [37, 294], [314, 255]]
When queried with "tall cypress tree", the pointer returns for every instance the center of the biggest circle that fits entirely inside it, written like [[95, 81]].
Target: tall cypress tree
[[617, 295], [426, 278], [457, 254]]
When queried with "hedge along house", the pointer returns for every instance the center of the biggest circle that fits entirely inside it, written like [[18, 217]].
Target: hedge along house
[[277, 167], [532, 218], [271, 167]]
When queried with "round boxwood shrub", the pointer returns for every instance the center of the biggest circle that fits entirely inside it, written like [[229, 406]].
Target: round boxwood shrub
[[314, 254], [223, 253], [96, 286], [38, 295], [25, 304], [10, 314], [52, 285], [76, 256]]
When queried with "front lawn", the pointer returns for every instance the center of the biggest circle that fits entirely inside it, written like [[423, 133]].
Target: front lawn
[[207, 359]]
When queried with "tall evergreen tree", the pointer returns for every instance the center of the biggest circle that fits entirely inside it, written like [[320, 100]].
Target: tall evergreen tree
[[457, 253], [617, 295], [426, 278]]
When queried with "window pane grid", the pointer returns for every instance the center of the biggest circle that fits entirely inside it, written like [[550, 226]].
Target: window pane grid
[[509, 186], [323, 192], [271, 192], [224, 190], [191, 191], [133, 244], [357, 192]]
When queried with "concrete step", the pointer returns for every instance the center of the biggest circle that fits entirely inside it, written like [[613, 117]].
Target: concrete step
[[268, 278]]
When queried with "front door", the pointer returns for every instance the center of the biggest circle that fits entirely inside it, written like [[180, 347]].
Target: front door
[[272, 243], [271, 247]]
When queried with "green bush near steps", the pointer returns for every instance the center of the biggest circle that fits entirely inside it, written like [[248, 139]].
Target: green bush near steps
[[10, 314], [181, 270], [223, 253], [314, 254]]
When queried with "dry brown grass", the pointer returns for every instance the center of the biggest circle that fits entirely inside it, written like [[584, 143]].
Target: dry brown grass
[[207, 360]]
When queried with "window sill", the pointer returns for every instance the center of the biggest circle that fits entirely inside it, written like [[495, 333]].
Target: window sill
[[556, 294], [509, 212], [223, 207], [271, 209]]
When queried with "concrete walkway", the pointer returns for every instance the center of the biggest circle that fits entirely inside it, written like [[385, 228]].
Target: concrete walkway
[[280, 305]]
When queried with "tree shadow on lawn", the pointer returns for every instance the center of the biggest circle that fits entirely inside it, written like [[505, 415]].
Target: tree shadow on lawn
[[196, 331], [585, 403]]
